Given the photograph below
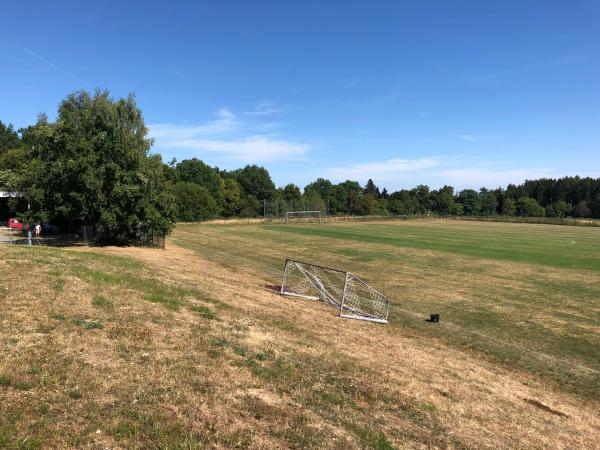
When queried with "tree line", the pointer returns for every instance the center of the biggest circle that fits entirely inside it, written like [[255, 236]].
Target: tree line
[[93, 166]]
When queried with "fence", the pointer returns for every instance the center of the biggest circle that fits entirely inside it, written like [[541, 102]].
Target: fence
[[582, 222], [333, 219]]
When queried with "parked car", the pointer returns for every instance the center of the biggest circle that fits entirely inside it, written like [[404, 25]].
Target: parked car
[[15, 224], [48, 228]]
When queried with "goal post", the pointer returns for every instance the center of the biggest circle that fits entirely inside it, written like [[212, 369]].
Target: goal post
[[338, 288], [303, 216]]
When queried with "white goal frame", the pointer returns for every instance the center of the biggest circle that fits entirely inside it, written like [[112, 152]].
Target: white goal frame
[[338, 288], [300, 214]]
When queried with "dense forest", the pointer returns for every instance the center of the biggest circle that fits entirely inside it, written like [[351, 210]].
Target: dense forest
[[93, 166]]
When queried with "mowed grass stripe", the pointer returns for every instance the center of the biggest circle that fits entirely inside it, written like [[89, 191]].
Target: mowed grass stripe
[[533, 248], [535, 316]]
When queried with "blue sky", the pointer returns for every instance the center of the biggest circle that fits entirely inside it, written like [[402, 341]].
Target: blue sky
[[467, 93]]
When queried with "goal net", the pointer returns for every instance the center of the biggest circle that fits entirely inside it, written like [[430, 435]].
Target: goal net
[[303, 216], [338, 288]]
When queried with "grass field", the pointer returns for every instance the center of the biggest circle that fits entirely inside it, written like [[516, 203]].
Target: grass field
[[526, 295], [191, 347]]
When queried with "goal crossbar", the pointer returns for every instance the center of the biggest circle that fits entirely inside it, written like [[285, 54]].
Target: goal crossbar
[[355, 298]]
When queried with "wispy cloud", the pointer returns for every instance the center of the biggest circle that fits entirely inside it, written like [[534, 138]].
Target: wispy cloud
[[225, 122], [467, 137], [249, 149], [227, 138], [435, 171], [492, 177], [51, 64], [479, 137], [265, 109], [493, 78], [383, 170]]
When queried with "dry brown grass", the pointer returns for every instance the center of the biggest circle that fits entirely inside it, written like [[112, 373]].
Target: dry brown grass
[[267, 372]]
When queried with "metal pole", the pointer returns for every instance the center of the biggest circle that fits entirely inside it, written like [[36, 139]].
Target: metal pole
[[346, 278], [265, 209]]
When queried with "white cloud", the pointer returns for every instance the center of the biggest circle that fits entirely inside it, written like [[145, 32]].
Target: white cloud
[[228, 139], [436, 172], [224, 122], [257, 148], [382, 170], [481, 137], [467, 137], [265, 109], [490, 177]]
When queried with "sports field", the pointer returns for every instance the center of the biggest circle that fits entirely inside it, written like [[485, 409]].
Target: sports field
[[192, 347], [526, 295]]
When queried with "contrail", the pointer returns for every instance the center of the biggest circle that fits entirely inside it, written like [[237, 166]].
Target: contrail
[[51, 64]]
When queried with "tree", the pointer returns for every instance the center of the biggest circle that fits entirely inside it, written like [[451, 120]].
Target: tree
[[581, 209], [529, 207], [9, 139], [508, 207], [368, 205], [194, 202], [14, 164], [457, 209], [251, 207], [561, 208], [313, 201], [255, 181], [470, 201], [291, 194], [372, 189], [322, 186], [423, 196], [557, 209], [94, 169], [196, 171], [346, 198], [489, 203], [233, 198], [445, 201]]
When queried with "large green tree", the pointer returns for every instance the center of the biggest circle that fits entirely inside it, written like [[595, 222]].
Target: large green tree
[[9, 138], [196, 171], [94, 168], [194, 202], [291, 194], [470, 201], [489, 202], [256, 182]]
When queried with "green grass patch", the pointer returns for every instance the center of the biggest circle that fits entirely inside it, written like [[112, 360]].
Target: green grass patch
[[203, 311], [100, 301]]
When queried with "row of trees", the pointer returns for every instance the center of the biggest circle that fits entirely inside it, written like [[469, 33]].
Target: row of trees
[[93, 166], [205, 192]]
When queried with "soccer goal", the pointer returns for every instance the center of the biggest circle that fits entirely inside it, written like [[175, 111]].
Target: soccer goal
[[303, 216], [338, 288]]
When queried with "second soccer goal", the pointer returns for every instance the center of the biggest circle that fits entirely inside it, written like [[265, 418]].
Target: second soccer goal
[[303, 216]]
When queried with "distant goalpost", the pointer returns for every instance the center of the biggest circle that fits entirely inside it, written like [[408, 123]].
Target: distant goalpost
[[338, 288], [303, 216]]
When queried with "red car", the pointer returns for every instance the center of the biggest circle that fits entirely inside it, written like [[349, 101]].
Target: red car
[[15, 224]]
